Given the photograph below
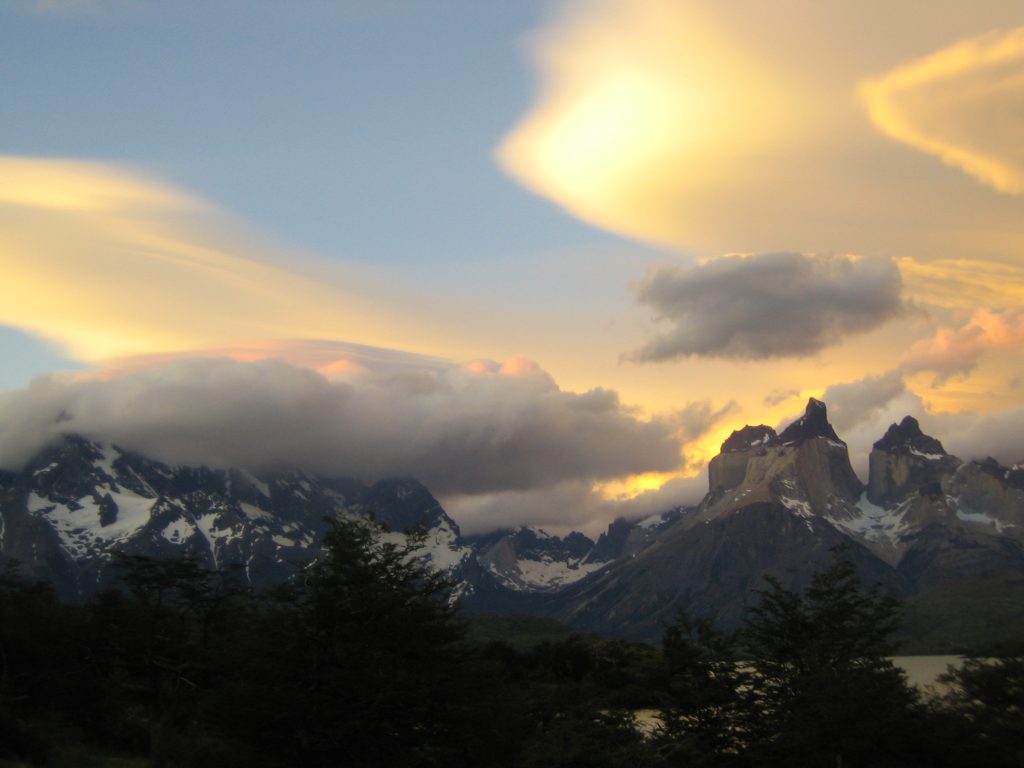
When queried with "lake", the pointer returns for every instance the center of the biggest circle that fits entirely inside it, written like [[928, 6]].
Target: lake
[[924, 671]]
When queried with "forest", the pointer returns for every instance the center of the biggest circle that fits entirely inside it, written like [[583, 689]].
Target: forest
[[361, 659]]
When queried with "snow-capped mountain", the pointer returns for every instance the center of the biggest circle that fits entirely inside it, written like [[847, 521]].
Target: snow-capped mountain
[[71, 508], [532, 560], [779, 503]]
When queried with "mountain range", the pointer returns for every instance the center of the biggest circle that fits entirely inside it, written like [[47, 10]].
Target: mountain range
[[944, 534]]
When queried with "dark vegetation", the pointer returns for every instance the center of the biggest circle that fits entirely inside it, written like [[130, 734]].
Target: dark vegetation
[[361, 661]]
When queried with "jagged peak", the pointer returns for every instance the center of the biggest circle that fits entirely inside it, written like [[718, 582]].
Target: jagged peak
[[907, 437], [749, 437], [1012, 476], [814, 423]]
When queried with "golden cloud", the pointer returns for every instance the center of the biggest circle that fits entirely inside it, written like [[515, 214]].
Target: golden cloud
[[639, 98], [962, 105], [963, 284], [107, 264], [724, 128]]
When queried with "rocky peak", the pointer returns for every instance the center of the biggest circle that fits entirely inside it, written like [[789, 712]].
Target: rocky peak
[[749, 438], [1012, 477], [989, 487], [814, 423], [795, 468], [78, 502], [907, 462], [908, 437]]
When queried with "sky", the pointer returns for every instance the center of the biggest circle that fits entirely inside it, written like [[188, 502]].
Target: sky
[[543, 256]]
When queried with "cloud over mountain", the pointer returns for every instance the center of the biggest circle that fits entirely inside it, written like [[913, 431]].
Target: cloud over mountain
[[852, 402], [457, 430], [767, 306]]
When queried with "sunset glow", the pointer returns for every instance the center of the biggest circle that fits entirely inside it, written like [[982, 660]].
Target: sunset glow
[[643, 222]]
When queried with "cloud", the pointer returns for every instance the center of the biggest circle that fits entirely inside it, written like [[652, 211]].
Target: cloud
[[962, 105], [853, 402], [697, 419], [997, 434], [107, 263], [458, 431], [331, 358], [779, 396], [962, 284], [723, 127], [572, 505], [636, 98], [774, 305], [957, 351]]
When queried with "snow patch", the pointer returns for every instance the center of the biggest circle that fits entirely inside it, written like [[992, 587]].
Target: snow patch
[[551, 574], [255, 513], [179, 531], [106, 461], [256, 483], [80, 530], [215, 536], [652, 522], [874, 523], [983, 519], [800, 508], [441, 549], [923, 455]]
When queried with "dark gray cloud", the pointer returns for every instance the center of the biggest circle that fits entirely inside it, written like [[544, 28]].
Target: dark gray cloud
[[773, 305], [572, 505], [578, 505], [457, 431]]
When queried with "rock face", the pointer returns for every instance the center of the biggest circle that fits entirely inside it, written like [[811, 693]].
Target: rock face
[[906, 461], [66, 514], [713, 569], [806, 467], [778, 503], [988, 489]]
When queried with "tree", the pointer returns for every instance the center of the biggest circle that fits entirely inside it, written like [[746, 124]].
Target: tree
[[161, 644], [989, 695], [703, 714], [356, 662], [827, 692]]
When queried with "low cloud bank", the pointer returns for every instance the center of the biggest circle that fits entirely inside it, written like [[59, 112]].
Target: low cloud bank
[[460, 430]]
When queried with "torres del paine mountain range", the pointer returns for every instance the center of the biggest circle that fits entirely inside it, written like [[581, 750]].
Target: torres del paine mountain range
[[946, 535]]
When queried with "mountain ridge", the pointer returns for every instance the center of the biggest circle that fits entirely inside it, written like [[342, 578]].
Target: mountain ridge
[[777, 503]]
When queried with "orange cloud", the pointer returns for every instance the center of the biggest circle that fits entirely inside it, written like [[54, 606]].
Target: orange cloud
[[956, 351], [108, 264], [963, 284], [962, 105], [726, 128]]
